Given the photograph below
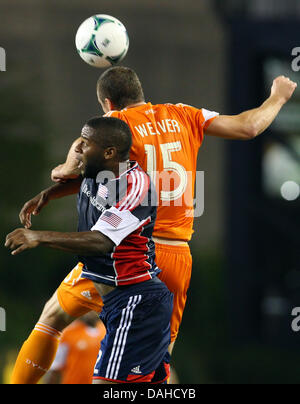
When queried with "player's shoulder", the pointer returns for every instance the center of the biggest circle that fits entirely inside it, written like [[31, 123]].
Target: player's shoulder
[[136, 171], [112, 114], [178, 107], [191, 112], [141, 181], [137, 184]]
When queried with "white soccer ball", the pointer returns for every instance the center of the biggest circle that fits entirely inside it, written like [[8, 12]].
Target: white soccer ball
[[102, 41]]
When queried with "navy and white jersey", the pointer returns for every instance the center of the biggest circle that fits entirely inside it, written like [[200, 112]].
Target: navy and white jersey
[[124, 210]]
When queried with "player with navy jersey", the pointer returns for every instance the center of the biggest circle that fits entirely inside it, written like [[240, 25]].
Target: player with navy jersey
[[127, 217], [116, 208], [166, 140]]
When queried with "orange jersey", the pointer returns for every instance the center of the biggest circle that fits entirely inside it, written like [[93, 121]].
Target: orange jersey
[[77, 352], [166, 140]]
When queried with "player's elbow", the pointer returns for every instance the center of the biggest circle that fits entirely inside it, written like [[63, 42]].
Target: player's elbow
[[249, 132], [101, 244], [98, 248]]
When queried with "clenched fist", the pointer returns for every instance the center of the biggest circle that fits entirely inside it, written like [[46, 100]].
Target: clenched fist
[[283, 88], [21, 239]]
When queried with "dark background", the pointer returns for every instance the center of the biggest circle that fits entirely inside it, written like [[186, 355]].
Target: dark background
[[221, 55]]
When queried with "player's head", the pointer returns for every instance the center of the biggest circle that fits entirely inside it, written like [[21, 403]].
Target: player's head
[[121, 86], [105, 142]]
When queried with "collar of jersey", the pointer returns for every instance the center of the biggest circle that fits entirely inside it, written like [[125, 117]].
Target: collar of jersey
[[133, 164], [136, 106]]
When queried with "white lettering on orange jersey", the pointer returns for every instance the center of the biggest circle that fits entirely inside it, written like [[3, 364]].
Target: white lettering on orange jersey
[[165, 142], [161, 127]]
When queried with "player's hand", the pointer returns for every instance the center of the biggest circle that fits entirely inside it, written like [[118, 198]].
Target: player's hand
[[21, 239], [62, 173], [34, 206], [283, 88]]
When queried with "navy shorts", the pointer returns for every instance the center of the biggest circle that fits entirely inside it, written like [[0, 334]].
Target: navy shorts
[[137, 321]]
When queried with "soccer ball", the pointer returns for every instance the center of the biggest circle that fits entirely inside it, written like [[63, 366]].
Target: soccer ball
[[102, 41]]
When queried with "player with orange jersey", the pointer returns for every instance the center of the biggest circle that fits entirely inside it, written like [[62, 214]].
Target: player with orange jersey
[[166, 140], [77, 352]]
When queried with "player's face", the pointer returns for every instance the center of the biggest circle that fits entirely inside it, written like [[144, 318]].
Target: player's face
[[90, 154]]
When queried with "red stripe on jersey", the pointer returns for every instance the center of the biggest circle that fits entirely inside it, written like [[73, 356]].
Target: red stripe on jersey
[[138, 185], [130, 258], [130, 185], [143, 189], [131, 190]]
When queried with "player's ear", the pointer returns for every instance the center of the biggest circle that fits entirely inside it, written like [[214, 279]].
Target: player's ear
[[109, 105], [110, 153]]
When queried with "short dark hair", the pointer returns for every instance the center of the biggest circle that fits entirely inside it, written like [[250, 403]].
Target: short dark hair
[[121, 86], [112, 132]]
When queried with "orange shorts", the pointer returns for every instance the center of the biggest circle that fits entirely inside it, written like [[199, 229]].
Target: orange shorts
[[175, 263], [78, 296]]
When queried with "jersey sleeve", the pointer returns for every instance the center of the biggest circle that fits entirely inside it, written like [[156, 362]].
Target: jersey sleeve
[[131, 211], [199, 119], [208, 116]]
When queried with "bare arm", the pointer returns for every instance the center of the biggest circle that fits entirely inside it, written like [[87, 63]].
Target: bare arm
[[69, 169], [36, 204], [83, 243], [252, 123]]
